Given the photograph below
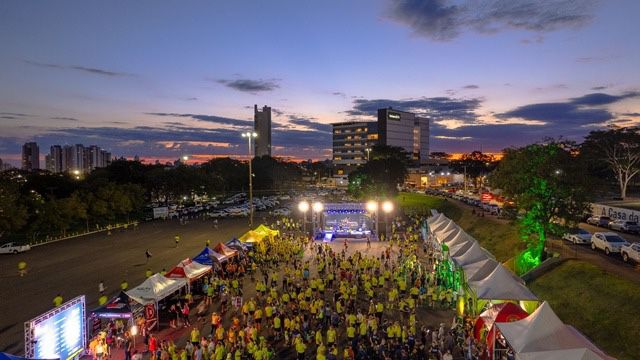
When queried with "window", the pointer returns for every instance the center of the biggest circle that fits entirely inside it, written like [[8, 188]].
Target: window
[[340, 172]]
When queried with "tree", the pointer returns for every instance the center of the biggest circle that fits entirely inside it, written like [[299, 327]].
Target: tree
[[549, 185], [13, 211], [474, 164], [619, 149], [439, 155], [381, 175]]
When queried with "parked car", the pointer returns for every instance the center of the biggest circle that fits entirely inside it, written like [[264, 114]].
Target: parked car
[[282, 212], [578, 236], [13, 248], [631, 252], [217, 214], [598, 220], [626, 226], [608, 241]]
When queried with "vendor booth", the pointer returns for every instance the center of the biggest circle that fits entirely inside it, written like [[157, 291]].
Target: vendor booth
[[153, 290], [265, 230], [189, 270], [252, 236], [237, 245], [210, 257], [498, 313], [225, 250], [543, 336]]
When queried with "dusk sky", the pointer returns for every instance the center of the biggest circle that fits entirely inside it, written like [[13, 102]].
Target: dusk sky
[[163, 79]]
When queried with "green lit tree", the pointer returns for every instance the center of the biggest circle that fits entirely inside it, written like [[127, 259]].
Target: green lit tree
[[381, 175], [548, 183]]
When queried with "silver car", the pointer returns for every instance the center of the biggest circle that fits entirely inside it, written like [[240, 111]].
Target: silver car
[[623, 225]]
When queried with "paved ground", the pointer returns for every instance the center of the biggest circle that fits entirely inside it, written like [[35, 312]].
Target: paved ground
[[75, 266]]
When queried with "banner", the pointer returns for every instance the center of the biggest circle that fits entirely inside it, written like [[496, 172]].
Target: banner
[[615, 212], [150, 316]]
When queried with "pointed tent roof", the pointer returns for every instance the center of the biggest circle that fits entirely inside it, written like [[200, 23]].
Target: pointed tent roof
[[460, 238], [447, 235], [237, 244], [480, 269], [435, 218], [442, 231], [473, 254], [116, 307], [263, 229], [440, 225], [225, 250], [460, 247], [207, 256], [503, 312], [155, 288], [501, 284], [188, 269], [542, 335], [252, 237]]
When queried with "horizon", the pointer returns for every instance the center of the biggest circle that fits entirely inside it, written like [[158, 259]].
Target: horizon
[[162, 81]]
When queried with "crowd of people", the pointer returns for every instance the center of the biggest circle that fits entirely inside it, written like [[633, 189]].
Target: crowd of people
[[291, 297]]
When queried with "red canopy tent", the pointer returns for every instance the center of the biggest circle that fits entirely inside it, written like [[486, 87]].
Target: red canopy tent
[[189, 270], [498, 313], [225, 250]]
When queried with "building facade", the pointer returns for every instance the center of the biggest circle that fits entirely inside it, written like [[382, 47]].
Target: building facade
[[69, 158], [352, 142], [262, 127], [406, 130], [30, 156]]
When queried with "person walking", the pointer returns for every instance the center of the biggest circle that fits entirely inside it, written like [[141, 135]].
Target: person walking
[[57, 301], [101, 287], [148, 255], [22, 268], [177, 240]]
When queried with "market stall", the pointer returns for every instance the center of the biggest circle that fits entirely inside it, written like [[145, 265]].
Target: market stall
[[189, 270], [543, 336], [210, 257], [225, 250], [151, 292]]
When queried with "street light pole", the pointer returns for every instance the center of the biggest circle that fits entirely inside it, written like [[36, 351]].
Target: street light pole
[[250, 136]]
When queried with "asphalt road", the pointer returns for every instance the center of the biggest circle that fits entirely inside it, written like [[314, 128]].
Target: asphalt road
[[74, 267]]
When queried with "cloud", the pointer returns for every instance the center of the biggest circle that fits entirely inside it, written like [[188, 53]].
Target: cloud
[[596, 99], [444, 20], [632, 114], [310, 124], [339, 93], [14, 114], [64, 118], [435, 107], [471, 87], [207, 118], [598, 88], [90, 70], [251, 86]]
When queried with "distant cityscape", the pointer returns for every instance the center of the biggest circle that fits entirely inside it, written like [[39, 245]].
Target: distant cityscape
[[65, 158]]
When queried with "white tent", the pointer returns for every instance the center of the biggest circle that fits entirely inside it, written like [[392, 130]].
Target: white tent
[[473, 254], [440, 225], [501, 284], [542, 335], [447, 235], [479, 269], [460, 247], [155, 288], [435, 218], [188, 269], [441, 231]]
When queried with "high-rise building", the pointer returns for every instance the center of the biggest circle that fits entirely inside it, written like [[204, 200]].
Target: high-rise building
[[70, 158], [30, 156], [352, 142], [262, 127], [406, 130]]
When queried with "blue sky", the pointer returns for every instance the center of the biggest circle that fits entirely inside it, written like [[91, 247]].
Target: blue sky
[[162, 79]]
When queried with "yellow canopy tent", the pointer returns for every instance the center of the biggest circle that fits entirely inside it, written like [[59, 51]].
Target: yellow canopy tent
[[252, 236], [266, 231]]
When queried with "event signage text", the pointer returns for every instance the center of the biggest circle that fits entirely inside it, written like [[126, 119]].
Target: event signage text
[[615, 212]]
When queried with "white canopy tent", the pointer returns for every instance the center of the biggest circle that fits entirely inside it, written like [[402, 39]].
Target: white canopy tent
[[501, 284], [155, 288], [435, 218], [445, 236], [479, 269], [543, 336], [439, 233], [440, 225], [460, 237], [473, 254]]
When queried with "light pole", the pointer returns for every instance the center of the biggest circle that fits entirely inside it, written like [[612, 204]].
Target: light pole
[[303, 206], [368, 150], [387, 207], [372, 207], [250, 135], [317, 213]]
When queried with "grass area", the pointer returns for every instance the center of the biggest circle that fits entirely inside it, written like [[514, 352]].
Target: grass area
[[601, 305], [497, 236]]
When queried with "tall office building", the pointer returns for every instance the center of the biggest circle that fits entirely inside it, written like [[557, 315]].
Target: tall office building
[[30, 156], [352, 142], [262, 127], [406, 130], [69, 158]]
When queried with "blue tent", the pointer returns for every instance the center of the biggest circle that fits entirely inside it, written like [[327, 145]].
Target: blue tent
[[235, 243], [117, 307], [207, 257]]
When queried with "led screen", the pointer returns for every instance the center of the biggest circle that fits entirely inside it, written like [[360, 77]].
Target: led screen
[[61, 335]]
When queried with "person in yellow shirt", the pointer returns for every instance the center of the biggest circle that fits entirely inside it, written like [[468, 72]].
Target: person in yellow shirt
[[57, 301], [351, 332], [331, 335], [195, 336], [300, 347]]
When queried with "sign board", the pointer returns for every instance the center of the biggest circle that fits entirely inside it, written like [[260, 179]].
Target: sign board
[[150, 316], [486, 197], [160, 212], [393, 116], [236, 301], [615, 212]]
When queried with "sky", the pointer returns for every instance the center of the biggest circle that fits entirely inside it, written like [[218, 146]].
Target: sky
[[163, 79]]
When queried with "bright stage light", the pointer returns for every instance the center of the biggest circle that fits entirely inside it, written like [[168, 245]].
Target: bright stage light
[[387, 206], [303, 206], [372, 206], [317, 206], [134, 330]]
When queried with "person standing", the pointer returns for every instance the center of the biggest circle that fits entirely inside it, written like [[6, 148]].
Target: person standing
[[101, 287], [177, 240], [57, 301], [22, 268], [148, 254], [128, 346]]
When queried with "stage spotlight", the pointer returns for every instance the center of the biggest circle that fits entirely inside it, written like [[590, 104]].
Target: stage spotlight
[[387, 206], [317, 206], [303, 206], [372, 206]]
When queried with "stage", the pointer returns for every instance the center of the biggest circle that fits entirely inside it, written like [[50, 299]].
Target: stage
[[350, 221]]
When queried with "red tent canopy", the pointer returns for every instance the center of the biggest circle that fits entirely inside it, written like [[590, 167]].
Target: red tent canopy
[[188, 269], [503, 312], [225, 250]]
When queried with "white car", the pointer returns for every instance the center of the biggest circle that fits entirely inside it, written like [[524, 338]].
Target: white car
[[578, 236], [608, 241], [626, 226], [218, 214], [631, 252], [13, 248], [597, 220], [282, 212]]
